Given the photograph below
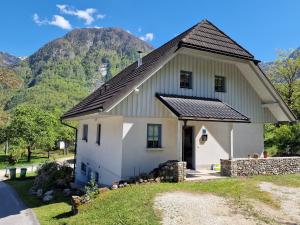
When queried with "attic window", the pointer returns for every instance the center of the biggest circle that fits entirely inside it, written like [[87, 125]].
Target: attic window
[[220, 84], [186, 79]]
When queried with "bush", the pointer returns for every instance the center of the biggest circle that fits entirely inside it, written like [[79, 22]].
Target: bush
[[53, 175], [91, 190]]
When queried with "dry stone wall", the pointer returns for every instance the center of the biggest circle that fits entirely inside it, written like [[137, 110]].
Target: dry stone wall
[[268, 166]]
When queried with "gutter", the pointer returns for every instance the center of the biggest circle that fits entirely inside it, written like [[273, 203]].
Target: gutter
[[75, 147]]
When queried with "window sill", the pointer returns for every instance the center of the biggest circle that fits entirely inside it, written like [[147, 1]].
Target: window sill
[[154, 149]]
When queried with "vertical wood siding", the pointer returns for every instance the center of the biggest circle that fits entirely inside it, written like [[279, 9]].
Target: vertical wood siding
[[239, 93]]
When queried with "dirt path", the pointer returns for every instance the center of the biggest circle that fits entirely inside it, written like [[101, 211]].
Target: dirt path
[[289, 199], [199, 209]]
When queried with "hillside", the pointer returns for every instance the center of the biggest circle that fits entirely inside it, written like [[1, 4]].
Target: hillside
[[65, 70], [8, 60]]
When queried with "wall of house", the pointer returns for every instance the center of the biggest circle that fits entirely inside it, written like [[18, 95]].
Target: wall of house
[[239, 93], [136, 157], [248, 139], [215, 148], [105, 159]]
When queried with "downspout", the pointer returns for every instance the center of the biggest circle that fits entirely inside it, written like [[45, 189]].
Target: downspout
[[75, 147]]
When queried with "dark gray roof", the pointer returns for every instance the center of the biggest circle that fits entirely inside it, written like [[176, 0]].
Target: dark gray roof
[[195, 108], [203, 36]]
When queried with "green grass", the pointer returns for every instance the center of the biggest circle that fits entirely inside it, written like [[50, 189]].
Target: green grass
[[133, 205], [38, 157]]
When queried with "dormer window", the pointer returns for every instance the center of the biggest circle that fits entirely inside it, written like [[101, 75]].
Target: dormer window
[[186, 79]]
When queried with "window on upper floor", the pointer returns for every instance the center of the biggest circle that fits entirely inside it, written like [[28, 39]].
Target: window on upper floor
[[153, 135], [98, 141], [220, 84], [85, 130], [185, 79]]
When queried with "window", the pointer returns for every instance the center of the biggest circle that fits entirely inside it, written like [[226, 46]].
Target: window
[[85, 132], [83, 168], [219, 84], [96, 177], [98, 134], [154, 136], [185, 79]]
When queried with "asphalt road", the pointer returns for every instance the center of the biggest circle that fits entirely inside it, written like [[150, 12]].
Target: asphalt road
[[12, 209]]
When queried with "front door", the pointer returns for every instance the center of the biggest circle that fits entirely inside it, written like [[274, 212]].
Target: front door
[[188, 154]]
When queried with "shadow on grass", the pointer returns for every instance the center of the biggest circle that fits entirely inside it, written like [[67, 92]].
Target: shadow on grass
[[63, 215]]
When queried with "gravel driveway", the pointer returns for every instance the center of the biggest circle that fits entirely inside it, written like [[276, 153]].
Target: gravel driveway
[[179, 208]]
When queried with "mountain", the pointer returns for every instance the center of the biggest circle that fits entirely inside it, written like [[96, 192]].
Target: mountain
[[67, 69], [8, 60]]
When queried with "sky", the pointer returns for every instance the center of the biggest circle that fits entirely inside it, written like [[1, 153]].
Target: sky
[[261, 26]]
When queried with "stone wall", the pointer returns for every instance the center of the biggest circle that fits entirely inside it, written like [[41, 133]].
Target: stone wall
[[170, 171], [268, 166]]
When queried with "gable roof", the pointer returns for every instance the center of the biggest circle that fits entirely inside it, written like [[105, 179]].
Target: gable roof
[[203, 36], [196, 108]]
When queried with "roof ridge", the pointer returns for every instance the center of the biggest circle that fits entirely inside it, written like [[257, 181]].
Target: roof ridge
[[229, 38]]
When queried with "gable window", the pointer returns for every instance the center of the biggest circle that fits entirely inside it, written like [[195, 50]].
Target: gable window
[[98, 141], [220, 84], [185, 79], [153, 135], [85, 132], [83, 168]]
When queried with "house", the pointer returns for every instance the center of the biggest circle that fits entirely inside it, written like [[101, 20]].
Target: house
[[199, 98]]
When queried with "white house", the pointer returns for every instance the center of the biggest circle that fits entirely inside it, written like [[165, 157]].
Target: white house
[[199, 98]]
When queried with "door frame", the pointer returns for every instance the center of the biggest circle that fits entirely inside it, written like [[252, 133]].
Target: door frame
[[193, 144]]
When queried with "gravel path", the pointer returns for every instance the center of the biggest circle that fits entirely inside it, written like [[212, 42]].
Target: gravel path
[[289, 199], [179, 208]]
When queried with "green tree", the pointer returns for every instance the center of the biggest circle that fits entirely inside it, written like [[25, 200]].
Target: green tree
[[33, 126], [285, 74]]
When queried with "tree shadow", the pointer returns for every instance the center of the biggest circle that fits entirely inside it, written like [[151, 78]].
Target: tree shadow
[[63, 215]]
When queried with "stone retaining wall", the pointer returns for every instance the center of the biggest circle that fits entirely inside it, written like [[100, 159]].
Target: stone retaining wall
[[269, 166], [171, 171]]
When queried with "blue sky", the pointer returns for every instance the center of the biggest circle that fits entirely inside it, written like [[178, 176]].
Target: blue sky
[[262, 27]]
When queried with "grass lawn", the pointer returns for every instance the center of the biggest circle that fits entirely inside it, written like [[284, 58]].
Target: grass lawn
[[133, 205], [38, 156]]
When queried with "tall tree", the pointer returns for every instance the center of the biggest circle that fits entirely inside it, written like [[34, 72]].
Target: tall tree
[[33, 126], [285, 74]]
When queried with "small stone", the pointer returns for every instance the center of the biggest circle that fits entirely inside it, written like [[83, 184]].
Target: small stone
[[121, 185], [141, 180], [114, 187], [157, 180], [47, 198], [126, 184], [102, 190], [145, 181], [39, 193], [151, 180], [49, 192]]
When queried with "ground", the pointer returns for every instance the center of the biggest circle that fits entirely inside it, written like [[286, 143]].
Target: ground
[[38, 156], [136, 204]]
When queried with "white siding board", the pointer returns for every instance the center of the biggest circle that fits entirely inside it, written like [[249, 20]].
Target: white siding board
[[239, 93]]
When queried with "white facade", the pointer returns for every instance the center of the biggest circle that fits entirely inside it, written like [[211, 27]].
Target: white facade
[[123, 151]]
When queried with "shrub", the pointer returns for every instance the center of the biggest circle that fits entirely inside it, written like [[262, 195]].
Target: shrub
[[91, 190], [53, 175]]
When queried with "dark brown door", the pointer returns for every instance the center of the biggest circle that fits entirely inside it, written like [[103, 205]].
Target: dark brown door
[[188, 147]]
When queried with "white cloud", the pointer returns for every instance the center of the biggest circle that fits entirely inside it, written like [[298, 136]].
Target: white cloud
[[57, 20], [100, 16], [139, 29], [60, 22], [86, 15], [128, 31], [147, 37]]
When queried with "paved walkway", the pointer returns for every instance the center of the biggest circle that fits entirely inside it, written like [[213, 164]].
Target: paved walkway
[[12, 209], [196, 175]]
